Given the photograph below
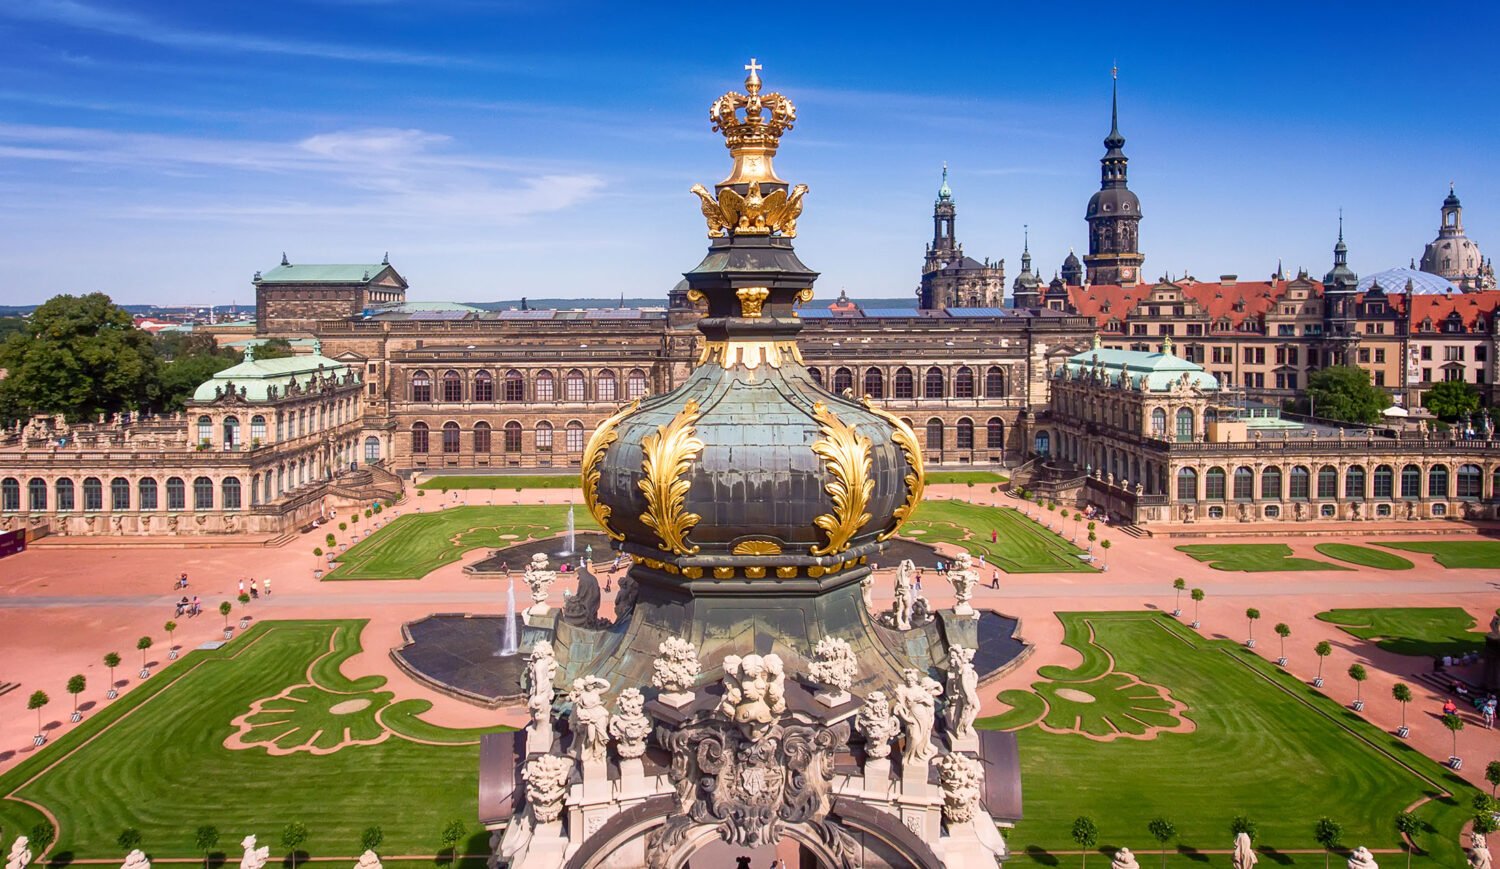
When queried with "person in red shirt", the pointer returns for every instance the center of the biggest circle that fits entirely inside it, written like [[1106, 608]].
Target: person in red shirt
[[1449, 707]]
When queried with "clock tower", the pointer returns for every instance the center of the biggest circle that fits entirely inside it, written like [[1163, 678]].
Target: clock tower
[[1114, 214]]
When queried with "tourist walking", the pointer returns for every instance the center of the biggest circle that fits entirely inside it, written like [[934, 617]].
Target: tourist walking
[[268, 586], [994, 536], [994, 579], [182, 581], [242, 587], [254, 589], [196, 608]]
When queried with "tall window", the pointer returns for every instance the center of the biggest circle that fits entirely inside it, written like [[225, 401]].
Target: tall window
[[203, 494], [481, 437], [10, 495], [1187, 485], [963, 383], [515, 386], [1470, 481], [93, 494], [635, 384], [544, 391], [575, 437], [1244, 484], [1437, 482], [605, 386], [1159, 423], [372, 449], [1354, 483], [965, 434], [1270, 484], [994, 433], [933, 388], [230, 490], [843, 381], [419, 437], [450, 437], [176, 494], [258, 428], [905, 385], [1384, 482], [119, 494], [874, 383], [1411, 482], [484, 387], [231, 432], [453, 386], [544, 436], [1328, 482], [934, 434], [574, 386], [36, 495], [512, 437], [421, 386], [994, 382], [1185, 425], [145, 494], [65, 502], [205, 430], [1213, 484]]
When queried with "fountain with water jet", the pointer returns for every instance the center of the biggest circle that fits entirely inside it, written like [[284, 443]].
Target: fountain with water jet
[[509, 641]]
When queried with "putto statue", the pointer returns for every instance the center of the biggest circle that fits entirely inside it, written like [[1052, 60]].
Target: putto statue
[[546, 778], [899, 616], [541, 670], [963, 578], [20, 854], [368, 860], [1124, 859], [590, 718], [539, 579], [1479, 852], [254, 858], [878, 725], [960, 778], [1244, 852], [630, 726], [136, 859], [754, 693], [916, 707], [963, 693], [833, 667], [1361, 858], [674, 671]]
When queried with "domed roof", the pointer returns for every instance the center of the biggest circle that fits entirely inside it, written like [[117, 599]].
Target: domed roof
[[1394, 281], [1072, 259], [1114, 200]]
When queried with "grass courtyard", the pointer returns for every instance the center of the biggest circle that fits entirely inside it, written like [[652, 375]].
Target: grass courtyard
[[1426, 632], [1364, 556], [501, 481], [1456, 553], [1158, 721], [415, 544], [1253, 557], [1021, 545], [974, 478]]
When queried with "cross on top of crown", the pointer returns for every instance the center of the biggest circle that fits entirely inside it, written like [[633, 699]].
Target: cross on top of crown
[[752, 81]]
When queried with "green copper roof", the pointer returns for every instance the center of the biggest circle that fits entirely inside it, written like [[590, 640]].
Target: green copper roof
[[1156, 372], [256, 376], [323, 274]]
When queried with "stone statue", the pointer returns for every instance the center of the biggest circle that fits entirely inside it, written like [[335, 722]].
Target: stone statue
[[878, 725], [833, 668], [675, 671], [539, 579], [1479, 852], [582, 609], [963, 579], [1244, 853], [1124, 859], [867, 590], [1361, 858], [921, 611], [754, 693], [254, 858], [961, 777], [630, 726], [625, 598], [590, 718], [20, 854], [136, 859], [368, 860], [541, 670], [916, 707], [962, 693], [900, 614], [546, 778]]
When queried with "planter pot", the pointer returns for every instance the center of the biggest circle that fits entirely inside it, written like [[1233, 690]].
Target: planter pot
[[112, 693], [317, 574], [1249, 644], [1453, 762], [1403, 731], [1281, 662], [145, 673], [1359, 706], [41, 739], [1195, 624], [76, 716], [1318, 682], [244, 622], [1177, 613], [343, 546], [229, 633], [171, 654]]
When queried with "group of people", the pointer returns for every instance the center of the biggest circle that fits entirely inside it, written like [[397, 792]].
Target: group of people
[[187, 607], [1484, 704], [255, 588]]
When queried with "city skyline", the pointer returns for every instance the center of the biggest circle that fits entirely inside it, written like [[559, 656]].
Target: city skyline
[[165, 155]]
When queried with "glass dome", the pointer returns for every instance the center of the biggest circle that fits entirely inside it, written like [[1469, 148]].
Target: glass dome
[[1422, 283]]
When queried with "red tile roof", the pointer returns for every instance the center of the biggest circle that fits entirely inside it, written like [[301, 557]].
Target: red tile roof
[[1236, 301], [1438, 308]]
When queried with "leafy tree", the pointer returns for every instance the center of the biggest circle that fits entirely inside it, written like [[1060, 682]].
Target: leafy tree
[[1402, 693], [1452, 722], [129, 839], [1162, 830], [1343, 392], [1251, 615], [206, 840], [1408, 826], [1322, 650], [371, 838], [452, 835], [1449, 400], [170, 628], [37, 700], [144, 644], [1178, 585], [43, 834], [1491, 774], [1197, 596], [10, 326], [1104, 545], [76, 684], [1086, 834], [1283, 630], [225, 609], [79, 356], [112, 660], [292, 837], [274, 348], [191, 358], [1329, 834], [1242, 824], [1484, 822], [1358, 674]]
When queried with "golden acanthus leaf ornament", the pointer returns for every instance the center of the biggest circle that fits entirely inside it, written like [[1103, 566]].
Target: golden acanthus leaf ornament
[[670, 452], [916, 479], [593, 456], [846, 453]]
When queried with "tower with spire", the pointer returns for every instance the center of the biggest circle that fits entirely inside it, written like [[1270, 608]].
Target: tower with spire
[[949, 278], [1340, 288], [1114, 213], [1454, 255], [1027, 292]]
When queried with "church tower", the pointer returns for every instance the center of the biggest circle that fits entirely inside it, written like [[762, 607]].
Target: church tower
[[1340, 286], [1454, 255], [944, 248], [1114, 214], [950, 279]]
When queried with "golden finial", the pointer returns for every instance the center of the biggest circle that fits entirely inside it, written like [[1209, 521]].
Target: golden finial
[[752, 200]]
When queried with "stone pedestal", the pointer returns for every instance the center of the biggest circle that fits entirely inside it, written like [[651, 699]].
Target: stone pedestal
[[539, 737], [632, 783], [877, 776], [914, 782], [969, 744], [675, 699], [596, 786], [964, 609]]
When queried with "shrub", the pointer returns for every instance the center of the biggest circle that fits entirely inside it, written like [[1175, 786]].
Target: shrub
[[330, 540], [318, 551], [343, 526]]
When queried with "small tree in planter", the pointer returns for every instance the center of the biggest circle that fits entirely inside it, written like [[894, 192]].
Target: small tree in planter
[[1092, 537], [1329, 834], [1323, 649], [1403, 696], [452, 835], [1492, 775], [112, 660], [1358, 674], [224, 610], [1197, 595], [371, 838], [1086, 835], [171, 629], [1454, 725], [75, 687], [1178, 585], [244, 600], [1104, 545], [1251, 615], [143, 644], [1162, 830], [1408, 826], [343, 526], [293, 835], [330, 540], [1283, 630], [129, 839], [37, 700], [206, 840]]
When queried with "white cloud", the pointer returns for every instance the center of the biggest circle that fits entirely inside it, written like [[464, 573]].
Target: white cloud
[[372, 144]]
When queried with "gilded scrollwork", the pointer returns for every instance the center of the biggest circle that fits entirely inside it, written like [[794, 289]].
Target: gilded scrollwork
[[846, 453], [752, 299], [593, 457], [916, 479], [669, 454]]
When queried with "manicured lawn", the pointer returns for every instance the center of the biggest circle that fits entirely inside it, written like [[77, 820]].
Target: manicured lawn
[[511, 481], [1363, 556], [1426, 632], [1253, 557], [415, 544], [1456, 553], [961, 477], [159, 758], [1022, 545], [1262, 744]]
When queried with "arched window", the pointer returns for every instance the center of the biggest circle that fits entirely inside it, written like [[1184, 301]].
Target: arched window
[[421, 386], [635, 384], [574, 386], [203, 494], [817, 375], [1213, 484], [994, 433], [1437, 482], [10, 495], [1328, 482], [1187, 484], [544, 436], [1354, 483], [515, 386], [1270, 484], [145, 494], [1384, 483], [257, 429], [933, 386], [963, 382], [1159, 423], [512, 437], [965, 434], [450, 437], [231, 432], [1185, 425], [605, 386], [205, 430], [1244, 484], [230, 493], [994, 382], [481, 437], [1411, 482], [65, 495], [453, 386], [93, 494], [119, 494], [372, 449], [36, 495], [1470, 482], [1043, 443], [484, 387], [176, 494], [874, 383], [544, 390], [419, 438], [934, 434], [905, 385], [843, 381], [575, 436]]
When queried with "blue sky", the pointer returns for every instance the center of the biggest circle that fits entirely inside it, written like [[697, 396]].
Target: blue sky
[[164, 151]]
